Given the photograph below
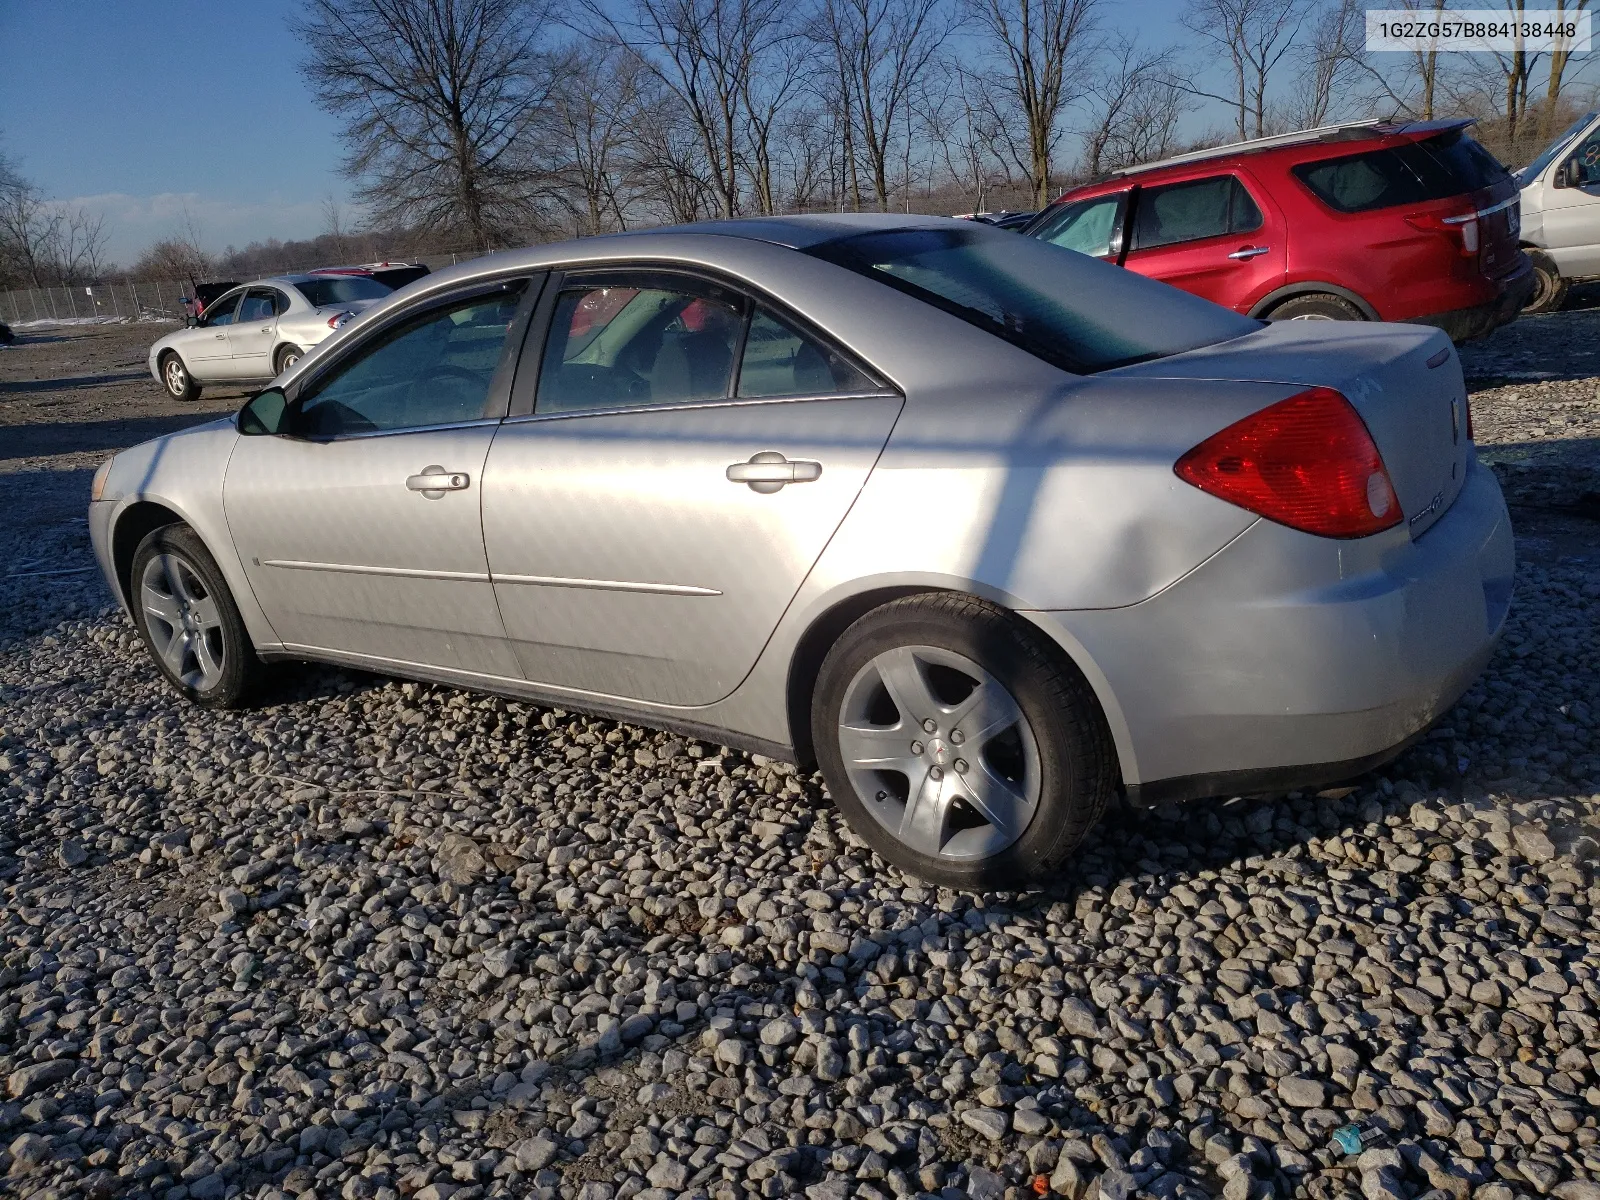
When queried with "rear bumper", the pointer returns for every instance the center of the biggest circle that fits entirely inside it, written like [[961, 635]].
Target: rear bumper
[[1289, 661], [1464, 324]]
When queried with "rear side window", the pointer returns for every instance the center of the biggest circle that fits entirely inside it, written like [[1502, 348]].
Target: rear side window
[[1433, 169], [1188, 212]]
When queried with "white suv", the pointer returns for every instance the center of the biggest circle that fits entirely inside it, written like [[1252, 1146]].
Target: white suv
[[1561, 213]]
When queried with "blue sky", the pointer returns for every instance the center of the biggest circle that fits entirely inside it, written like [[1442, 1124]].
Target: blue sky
[[141, 109]]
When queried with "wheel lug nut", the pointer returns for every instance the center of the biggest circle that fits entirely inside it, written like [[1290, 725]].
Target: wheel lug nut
[[930, 725], [961, 766], [936, 774], [916, 747], [957, 736]]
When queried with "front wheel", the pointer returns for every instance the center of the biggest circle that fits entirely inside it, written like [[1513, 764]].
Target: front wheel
[[959, 744], [1549, 288], [188, 620], [179, 383]]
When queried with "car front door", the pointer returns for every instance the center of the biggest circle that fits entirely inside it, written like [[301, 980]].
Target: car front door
[[360, 531], [686, 459], [205, 348], [1572, 213], [1213, 237], [254, 329]]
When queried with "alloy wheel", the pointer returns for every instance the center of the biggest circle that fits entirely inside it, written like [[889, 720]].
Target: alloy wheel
[[177, 378], [183, 620], [939, 752]]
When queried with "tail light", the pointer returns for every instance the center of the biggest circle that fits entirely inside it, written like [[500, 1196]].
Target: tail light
[[1464, 226], [1307, 462]]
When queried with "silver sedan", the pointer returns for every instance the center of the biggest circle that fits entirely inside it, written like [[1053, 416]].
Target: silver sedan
[[987, 529], [258, 331]]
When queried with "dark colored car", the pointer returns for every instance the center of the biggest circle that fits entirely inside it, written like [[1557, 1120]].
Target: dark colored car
[[1378, 221], [393, 275]]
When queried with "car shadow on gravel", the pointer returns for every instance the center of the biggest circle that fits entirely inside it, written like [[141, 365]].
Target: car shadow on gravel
[[70, 383], [65, 437]]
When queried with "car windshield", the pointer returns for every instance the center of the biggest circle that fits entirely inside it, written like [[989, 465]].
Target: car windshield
[[342, 289], [1536, 168], [1073, 311]]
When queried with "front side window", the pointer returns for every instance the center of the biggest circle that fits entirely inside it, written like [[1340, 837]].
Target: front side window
[[1548, 155], [222, 311], [627, 342], [778, 361], [1087, 226], [1072, 311], [432, 370], [258, 305], [1589, 160], [1188, 212], [341, 289]]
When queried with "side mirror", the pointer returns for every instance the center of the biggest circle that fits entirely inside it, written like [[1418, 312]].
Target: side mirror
[[265, 413]]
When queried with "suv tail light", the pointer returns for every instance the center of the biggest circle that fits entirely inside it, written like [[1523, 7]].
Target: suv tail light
[[1465, 226], [1307, 462]]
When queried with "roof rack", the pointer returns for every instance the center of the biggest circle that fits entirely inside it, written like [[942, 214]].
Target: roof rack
[[1324, 133]]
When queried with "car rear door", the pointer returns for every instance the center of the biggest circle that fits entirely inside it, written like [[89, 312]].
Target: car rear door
[[652, 510], [254, 331], [1221, 237], [361, 532]]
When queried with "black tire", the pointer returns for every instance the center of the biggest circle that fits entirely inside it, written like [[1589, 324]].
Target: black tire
[[1075, 757], [1549, 288], [199, 579], [176, 379], [285, 358], [1316, 306]]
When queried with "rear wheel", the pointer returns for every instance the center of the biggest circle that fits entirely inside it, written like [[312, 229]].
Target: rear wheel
[[1549, 288], [175, 375], [959, 745], [188, 619], [286, 357], [1316, 306]]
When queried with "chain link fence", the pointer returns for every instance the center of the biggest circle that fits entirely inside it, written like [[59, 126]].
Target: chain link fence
[[102, 302]]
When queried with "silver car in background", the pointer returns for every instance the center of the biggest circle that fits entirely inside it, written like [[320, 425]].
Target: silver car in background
[[259, 330], [987, 529]]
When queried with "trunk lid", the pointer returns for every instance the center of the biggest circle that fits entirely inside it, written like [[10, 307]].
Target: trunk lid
[[1404, 380]]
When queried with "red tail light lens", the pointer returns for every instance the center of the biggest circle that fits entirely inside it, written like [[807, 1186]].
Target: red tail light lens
[[1464, 227], [1307, 462]]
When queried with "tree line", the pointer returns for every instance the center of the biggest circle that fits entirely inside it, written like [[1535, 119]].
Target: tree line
[[480, 124]]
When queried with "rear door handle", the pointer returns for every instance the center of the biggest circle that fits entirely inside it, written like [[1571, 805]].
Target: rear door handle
[[1249, 251], [769, 471], [434, 482]]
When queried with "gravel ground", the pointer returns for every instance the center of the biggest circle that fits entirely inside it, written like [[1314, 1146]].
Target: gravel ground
[[377, 939]]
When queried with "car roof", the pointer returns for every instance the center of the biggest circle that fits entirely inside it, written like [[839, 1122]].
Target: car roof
[[1376, 131], [801, 232]]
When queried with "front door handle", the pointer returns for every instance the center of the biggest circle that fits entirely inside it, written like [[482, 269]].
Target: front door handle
[[1249, 251], [221, 337], [266, 329], [769, 471], [434, 482]]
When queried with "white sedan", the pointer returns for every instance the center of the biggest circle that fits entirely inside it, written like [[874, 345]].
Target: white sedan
[[259, 330]]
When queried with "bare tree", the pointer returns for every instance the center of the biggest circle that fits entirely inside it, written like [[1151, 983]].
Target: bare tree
[[679, 182], [1517, 69], [1327, 63], [1043, 45], [768, 94], [1254, 36], [702, 52], [1133, 103], [1419, 85], [435, 95], [334, 225], [1558, 69], [883, 49], [593, 124], [966, 131]]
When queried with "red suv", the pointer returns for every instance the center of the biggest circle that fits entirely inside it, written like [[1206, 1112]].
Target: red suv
[[1372, 221]]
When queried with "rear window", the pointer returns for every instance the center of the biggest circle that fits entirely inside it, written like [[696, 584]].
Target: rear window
[[1435, 168], [342, 289], [1073, 311]]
